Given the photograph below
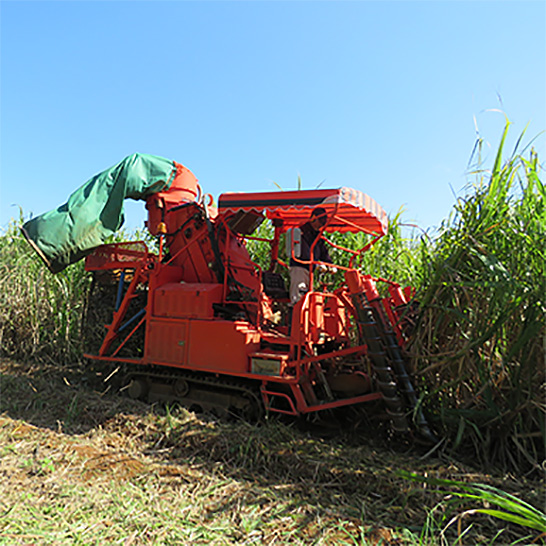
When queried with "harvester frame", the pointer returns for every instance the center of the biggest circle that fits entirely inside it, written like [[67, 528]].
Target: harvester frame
[[219, 333]]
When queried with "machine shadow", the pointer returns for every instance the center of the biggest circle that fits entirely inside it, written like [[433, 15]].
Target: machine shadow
[[64, 398]]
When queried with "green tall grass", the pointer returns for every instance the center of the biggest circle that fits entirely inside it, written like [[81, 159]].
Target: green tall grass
[[397, 256], [480, 344], [40, 313]]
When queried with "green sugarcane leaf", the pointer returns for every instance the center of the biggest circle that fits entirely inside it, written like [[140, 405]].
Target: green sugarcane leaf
[[511, 518]]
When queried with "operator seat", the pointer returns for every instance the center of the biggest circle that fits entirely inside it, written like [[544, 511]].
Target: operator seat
[[274, 285]]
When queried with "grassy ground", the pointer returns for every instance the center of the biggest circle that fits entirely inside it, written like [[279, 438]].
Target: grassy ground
[[81, 467]]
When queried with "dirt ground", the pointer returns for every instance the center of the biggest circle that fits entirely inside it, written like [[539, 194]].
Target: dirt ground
[[83, 466]]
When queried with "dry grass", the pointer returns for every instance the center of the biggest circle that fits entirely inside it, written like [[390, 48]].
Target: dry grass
[[80, 468]]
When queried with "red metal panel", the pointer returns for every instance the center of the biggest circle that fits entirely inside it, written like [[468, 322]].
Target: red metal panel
[[186, 300], [167, 341], [221, 345], [324, 316], [191, 247], [335, 318]]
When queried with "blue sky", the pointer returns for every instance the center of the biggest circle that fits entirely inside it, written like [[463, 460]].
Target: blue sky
[[379, 96]]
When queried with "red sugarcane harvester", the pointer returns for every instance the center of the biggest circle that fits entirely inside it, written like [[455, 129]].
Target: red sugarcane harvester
[[216, 331]]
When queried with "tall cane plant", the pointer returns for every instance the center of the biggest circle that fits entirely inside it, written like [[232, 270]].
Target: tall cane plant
[[480, 343]]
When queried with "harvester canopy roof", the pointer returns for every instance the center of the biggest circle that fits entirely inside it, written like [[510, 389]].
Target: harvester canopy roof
[[348, 209]]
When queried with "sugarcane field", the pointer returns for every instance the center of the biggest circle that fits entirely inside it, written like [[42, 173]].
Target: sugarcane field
[[176, 385]]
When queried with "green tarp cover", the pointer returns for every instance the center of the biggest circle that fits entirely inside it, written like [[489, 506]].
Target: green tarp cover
[[95, 210]]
